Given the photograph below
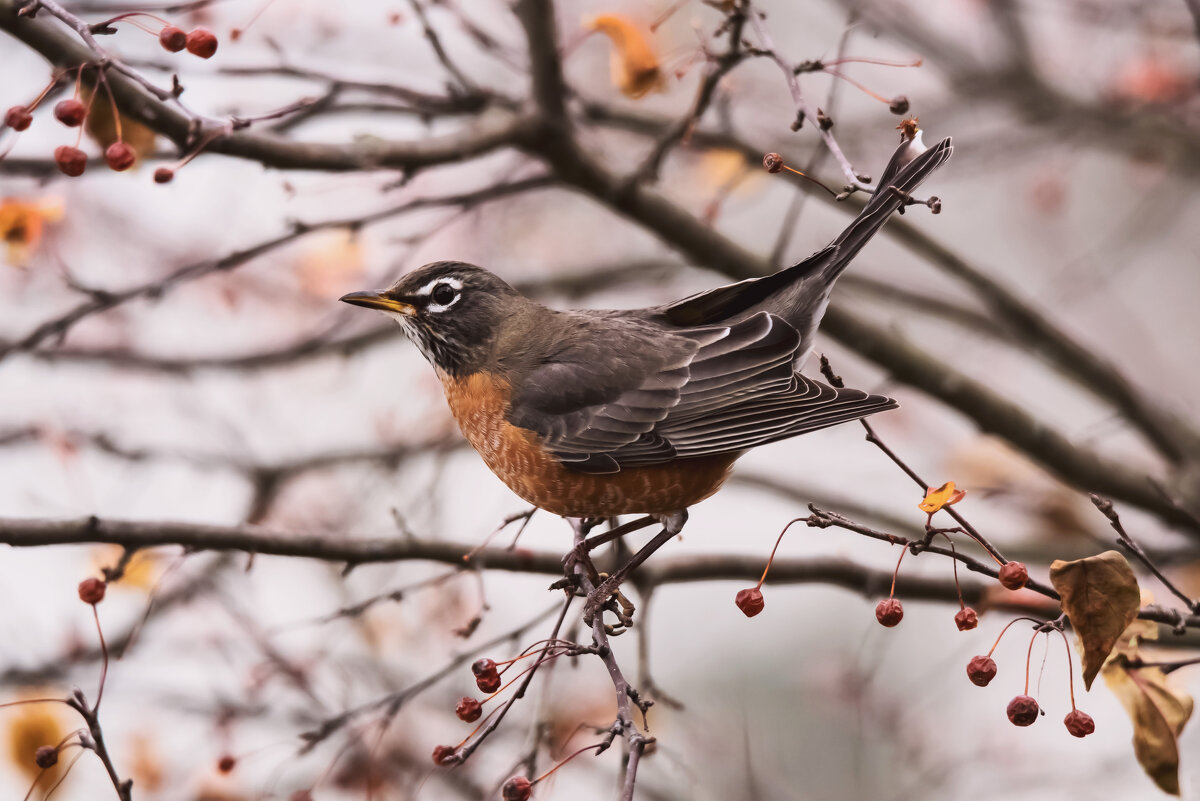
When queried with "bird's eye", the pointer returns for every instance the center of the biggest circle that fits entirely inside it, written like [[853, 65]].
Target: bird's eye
[[444, 294]]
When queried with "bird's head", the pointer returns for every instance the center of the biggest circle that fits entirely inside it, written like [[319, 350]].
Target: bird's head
[[451, 310]]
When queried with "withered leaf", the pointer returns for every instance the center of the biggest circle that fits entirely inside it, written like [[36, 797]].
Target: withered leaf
[[1100, 594], [635, 66], [1158, 711]]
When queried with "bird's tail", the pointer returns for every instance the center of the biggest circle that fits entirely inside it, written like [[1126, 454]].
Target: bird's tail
[[911, 164], [800, 293]]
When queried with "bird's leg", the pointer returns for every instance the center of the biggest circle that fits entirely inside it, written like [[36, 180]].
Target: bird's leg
[[672, 525], [581, 549]]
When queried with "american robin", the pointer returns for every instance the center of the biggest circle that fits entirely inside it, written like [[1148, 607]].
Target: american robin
[[594, 414]]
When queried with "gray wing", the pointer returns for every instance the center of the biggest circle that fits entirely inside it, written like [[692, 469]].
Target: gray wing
[[678, 394]]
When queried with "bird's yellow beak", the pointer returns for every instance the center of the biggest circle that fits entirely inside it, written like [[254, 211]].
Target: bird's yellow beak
[[374, 300]]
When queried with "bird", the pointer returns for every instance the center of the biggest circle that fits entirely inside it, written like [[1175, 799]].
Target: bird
[[599, 413]]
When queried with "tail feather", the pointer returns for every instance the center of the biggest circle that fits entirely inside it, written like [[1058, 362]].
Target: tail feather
[[799, 293]]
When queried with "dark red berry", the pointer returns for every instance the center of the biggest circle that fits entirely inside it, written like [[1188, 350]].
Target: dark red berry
[[981, 670], [1022, 710], [120, 156], [91, 591], [18, 118], [164, 175], [172, 38], [70, 112], [442, 754], [468, 709], [483, 667], [227, 763], [899, 105], [488, 683], [518, 788], [889, 612], [1014, 575], [202, 42], [1079, 723], [966, 619], [750, 601], [773, 162], [47, 756], [70, 160]]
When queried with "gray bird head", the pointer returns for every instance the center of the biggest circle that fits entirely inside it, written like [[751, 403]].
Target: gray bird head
[[451, 310]]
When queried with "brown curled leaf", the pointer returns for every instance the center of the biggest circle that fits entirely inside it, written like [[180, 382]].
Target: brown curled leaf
[[1100, 594]]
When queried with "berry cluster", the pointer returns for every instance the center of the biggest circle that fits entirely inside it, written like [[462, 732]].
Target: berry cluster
[[1023, 710], [73, 112]]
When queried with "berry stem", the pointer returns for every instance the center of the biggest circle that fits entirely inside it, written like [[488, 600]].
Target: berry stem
[[1070, 668], [1028, 657], [103, 660], [1008, 626], [896, 572], [597, 746], [112, 102], [855, 84], [778, 540], [882, 62]]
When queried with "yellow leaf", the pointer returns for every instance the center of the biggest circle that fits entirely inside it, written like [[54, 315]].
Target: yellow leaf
[[332, 266], [635, 66], [29, 727], [1158, 711], [1100, 594], [142, 571], [945, 495]]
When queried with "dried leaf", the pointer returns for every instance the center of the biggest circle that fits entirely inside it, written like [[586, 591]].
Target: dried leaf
[[1100, 594], [635, 67], [1157, 710], [102, 126], [945, 495]]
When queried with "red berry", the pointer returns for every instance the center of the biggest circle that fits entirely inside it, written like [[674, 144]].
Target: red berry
[[47, 756], [488, 683], [443, 754], [889, 612], [70, 112], [202, 42], [1014, 575], [18, 118], [1022, 710], [966, 619], [750, 601], [483, 667], [468, 709], [172, 38], [772, 162], [164, 175], [227, 763], [91, 591], [120, 156], [1079, 723], [899, 105], [70, 160], [518, 788], [981, 670]]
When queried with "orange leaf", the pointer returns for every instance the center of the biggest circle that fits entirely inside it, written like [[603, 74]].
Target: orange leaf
[[635, 67], [945, 495], [22, 224]]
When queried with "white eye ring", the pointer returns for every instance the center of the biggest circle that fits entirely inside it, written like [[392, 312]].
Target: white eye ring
[[435, 287]]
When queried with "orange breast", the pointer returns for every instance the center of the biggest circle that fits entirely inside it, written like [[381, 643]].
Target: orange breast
[[480, 404]]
